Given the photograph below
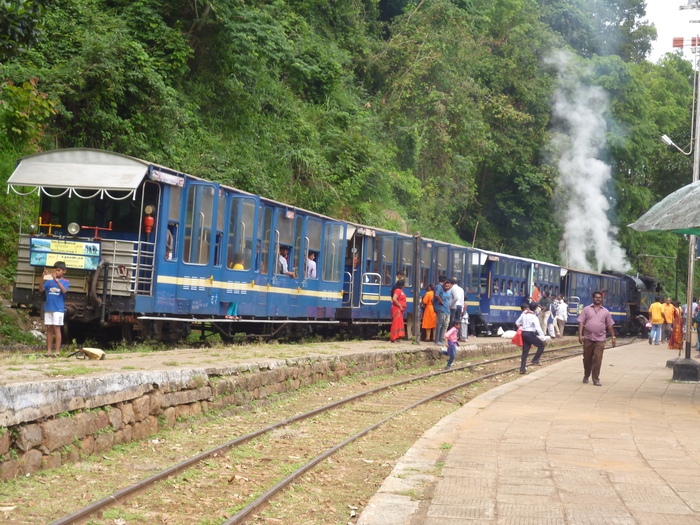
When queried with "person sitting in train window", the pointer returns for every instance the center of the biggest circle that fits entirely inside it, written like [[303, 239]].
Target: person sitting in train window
[[237, 263], [387, 276], [283, 267], [495, 287], [311, 265], [509, 291]]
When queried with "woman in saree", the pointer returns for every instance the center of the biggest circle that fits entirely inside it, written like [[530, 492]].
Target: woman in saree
[[675, 341], [429, 316], [398, 306]]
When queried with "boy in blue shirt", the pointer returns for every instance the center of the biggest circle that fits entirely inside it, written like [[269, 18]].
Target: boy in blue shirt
[[55, 287], [441, 304]]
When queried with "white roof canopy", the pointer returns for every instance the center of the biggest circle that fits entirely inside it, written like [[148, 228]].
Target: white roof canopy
[[78, 169]]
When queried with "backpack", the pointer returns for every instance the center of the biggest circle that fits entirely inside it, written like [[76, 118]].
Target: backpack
[[697, 315]]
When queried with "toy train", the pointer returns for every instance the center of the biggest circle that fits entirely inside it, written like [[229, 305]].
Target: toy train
[[154, 252]]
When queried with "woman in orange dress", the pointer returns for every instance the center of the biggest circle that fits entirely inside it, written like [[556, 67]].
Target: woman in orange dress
[[675, 341], [398, 307], [429, 317]]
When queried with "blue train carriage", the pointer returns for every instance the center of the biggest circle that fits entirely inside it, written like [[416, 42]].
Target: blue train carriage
[[507, 281], [578, 286], [374, 260], [439, 259], [154, 250]]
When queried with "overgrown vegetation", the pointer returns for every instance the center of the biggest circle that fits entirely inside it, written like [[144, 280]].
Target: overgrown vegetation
[[430, 115]]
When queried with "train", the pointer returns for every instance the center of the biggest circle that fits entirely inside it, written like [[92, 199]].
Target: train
[[155, 253]]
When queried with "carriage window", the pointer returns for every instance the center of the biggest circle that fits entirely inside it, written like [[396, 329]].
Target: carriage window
[[333, 248], [473, 272], [495, 286], [387, 268], [284, 237], [264, 237], [198, 223], [313, 234], [522, 288], [503, 286], [425, 258], [458, 267], [442, 261], [406, 260], [240, 234], [509, 290]]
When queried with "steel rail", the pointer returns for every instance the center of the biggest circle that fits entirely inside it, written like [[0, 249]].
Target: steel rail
[[242, 514], [135, 488]]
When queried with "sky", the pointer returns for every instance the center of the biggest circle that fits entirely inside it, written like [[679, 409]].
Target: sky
[[671, 22]]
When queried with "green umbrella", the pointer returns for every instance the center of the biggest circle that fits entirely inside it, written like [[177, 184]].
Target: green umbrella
[[678, 213]]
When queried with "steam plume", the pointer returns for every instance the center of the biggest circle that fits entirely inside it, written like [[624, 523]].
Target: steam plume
[[589, 241]]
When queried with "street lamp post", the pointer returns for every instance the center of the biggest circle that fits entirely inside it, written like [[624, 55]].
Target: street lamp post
[[688, 369]]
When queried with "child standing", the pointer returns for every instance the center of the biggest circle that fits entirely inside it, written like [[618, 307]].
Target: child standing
[[451, 337], [55, 287]]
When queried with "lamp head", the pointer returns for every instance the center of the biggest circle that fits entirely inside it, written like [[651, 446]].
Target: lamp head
[[73, 228], [666, 140]]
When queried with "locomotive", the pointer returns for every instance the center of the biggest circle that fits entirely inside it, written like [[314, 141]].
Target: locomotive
[[155, 253]]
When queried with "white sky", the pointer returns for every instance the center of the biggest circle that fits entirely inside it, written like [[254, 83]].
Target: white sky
[[671, 22]]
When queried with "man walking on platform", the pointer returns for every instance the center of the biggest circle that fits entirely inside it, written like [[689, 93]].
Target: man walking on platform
[[592, 323], [656, 312]]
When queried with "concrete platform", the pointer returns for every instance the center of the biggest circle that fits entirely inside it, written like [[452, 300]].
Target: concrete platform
[[549, 450]]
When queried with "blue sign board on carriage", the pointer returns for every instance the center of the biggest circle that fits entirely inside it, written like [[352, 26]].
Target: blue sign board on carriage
[[76, 254]]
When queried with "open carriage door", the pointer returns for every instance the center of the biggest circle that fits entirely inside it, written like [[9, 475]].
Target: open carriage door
[[353, 269]]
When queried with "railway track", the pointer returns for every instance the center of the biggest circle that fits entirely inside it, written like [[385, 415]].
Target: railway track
[[271, 449]]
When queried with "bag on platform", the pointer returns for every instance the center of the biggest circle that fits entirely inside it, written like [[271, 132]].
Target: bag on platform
[[518, 337]]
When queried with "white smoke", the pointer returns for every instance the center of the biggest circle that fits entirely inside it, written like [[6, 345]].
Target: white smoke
[[589, 241]]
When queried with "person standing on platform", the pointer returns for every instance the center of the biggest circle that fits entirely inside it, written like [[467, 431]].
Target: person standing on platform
[[592, 323], [669, 311], [656, 312], [56, 288], [533, 335], [562, 315], [429, 317], [456, 302], [544, 303], [398, 307], [675, 340]]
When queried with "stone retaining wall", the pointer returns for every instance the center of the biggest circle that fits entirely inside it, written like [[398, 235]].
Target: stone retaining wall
[[48, 424]]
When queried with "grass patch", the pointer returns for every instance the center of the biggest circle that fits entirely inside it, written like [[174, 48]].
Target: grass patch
[[70, 371]]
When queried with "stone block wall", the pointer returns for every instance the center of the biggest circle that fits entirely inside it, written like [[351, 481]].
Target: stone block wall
[[79, 417]]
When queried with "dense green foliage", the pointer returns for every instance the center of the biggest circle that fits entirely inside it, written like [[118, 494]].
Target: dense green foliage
[[423, 115]]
